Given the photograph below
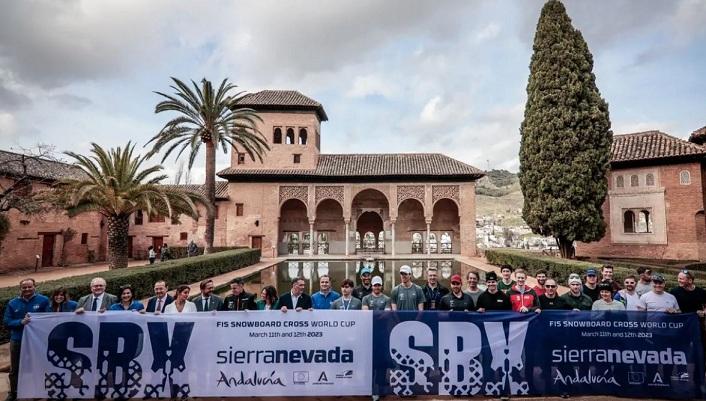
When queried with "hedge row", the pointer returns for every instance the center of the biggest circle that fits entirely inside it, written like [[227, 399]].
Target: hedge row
[[560, 269], [179, 252], [142, 279]]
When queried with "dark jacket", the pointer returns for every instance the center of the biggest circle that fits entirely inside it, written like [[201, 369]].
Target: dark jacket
[[304, 301], [16, 310], [582, 302], [152, 303], [66, 306], [433, 296], [360, 291], [552, 303], [242, 301], [86, 301], [214, 303], [453, 303], [497, 301]]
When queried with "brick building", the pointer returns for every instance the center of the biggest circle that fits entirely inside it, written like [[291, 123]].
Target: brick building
[[655, 204], [298, 201]]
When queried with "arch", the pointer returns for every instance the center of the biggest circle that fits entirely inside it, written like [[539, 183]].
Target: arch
[[458, 207], [684, 177], [650, 179], [634, 180], [370, 193], [620, 182], [277, 135], [628, 221], [369, 226], [289, 139], [292, 227], [302, 136], [644, 222], [446, 219], [410, 220], [330, 227]]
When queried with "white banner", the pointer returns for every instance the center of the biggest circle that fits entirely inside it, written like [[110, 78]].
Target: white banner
[[222, 354]]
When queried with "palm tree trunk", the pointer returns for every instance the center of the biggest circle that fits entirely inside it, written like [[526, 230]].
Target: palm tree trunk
[[118, 227], [210, 195]]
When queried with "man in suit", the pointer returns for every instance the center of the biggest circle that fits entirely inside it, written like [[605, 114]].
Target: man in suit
[[160, 300], [296, 298], [206, 301], [98, 300], [239, 299]]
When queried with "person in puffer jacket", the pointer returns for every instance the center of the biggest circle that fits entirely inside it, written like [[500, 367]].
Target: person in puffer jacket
[[523, 298]]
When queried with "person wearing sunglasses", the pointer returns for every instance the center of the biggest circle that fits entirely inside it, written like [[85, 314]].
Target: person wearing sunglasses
[[689, 297], [550, 299], [628, 296], [644, 285]]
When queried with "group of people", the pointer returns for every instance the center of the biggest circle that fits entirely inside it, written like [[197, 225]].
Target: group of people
[[165, 252]]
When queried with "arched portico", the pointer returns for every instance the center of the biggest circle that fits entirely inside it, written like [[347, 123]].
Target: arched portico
[[293, 227], [445, 225], [370, 211], [329, 227]]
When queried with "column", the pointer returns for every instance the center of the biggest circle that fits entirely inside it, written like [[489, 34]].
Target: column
[[392, 228], [348, 235], [428, 235], [311, 238]]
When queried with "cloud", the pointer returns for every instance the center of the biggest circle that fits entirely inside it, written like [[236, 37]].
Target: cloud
[[372, 84], [70, 101], [11, 99], [8, 125]]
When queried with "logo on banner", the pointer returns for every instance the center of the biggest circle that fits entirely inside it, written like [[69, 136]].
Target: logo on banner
[[588, 378], [658, 381], [636, 378], [462, 369], [323, 379], [119, 372], [300, 377], [682, 377], [348, 374]]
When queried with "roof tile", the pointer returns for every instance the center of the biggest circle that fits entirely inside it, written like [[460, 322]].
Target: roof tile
[[652, 145], [288, 99]]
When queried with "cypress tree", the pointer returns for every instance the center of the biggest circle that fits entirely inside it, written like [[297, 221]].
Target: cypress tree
[[566, 136]]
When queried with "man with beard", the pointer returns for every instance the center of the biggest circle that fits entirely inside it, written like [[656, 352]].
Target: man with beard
[[550, 299], [590, 287], [541, 277], [433, 291], [239, 300], [575, 299], [492, 299], [295, 298], [376, 300], [206, 301], [628, 296], [644, 285], [456, 300], [407, 295], [472, 288], [364, 288]]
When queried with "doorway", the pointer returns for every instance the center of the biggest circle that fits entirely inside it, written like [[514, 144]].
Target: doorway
[[129, 246], [256, 242], [48, 250], [157, 244]]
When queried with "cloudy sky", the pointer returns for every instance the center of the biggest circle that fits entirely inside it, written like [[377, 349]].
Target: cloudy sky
[[393, 76]]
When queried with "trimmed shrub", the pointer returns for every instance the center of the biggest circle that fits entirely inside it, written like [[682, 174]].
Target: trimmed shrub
[[179, 252], [142, 279], [559, 269]]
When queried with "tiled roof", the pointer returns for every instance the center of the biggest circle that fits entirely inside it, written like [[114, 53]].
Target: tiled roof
[[372, 165], [282, 99], [221, 188], [12, 164], [651, 145]]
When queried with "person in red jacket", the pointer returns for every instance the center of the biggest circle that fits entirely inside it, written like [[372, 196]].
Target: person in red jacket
[[523, 298]]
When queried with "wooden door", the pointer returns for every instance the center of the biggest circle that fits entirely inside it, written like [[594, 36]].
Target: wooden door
[[129, 247], [256, 243], [48, 250], [157, 244]]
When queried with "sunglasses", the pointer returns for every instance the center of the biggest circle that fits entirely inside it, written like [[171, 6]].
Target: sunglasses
[[549, 286], [404, 274], [455, 283]]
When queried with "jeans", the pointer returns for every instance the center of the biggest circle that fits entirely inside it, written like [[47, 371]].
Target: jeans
[[14, 365]]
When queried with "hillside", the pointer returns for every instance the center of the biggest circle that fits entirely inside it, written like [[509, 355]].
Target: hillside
[[498, 193]]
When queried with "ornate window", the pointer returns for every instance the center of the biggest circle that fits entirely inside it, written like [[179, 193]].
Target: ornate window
[[302, 136], [277, 136], [289, 140], [357, 240], [381, 240], [644, 222], [417, 243], [369, 240], [432, 242], [650, 180], [634, 180], [629, 221], [322, 246], [684, 177], [620, 182], [445, 243]]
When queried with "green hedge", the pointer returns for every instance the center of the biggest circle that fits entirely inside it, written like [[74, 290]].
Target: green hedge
[[142, 278], [559, 269], [179, 252]]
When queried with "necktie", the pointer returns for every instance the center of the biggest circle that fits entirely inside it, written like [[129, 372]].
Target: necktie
[[95, 304], [159, 305], [205, 304]]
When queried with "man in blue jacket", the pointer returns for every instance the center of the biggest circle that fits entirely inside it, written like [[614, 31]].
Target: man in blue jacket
[[17, 316]]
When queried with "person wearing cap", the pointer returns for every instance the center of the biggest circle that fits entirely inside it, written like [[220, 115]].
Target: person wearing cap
[[364, 288], [433, 291], [472, 289], [523, 298], [541, 277], [506, 284], [628, 296], [457, 300], [689, 297], [347, 301], [492, 299], [550, 300], [606, 302], [658, 300], [607, 276], [376, 300], [645, 284], [590, 287], [407, 295], [323, 298], [575, 299]]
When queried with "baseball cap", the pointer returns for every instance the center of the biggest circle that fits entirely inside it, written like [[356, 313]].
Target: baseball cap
[[605, 286], [591, 272], [658, 277], [574, 280], [456, 279], [366, 270], [405, 269], [491, 277], [376, 280]]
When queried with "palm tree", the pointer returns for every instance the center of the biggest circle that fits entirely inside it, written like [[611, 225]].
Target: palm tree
[[115, 186], [211, 118]]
